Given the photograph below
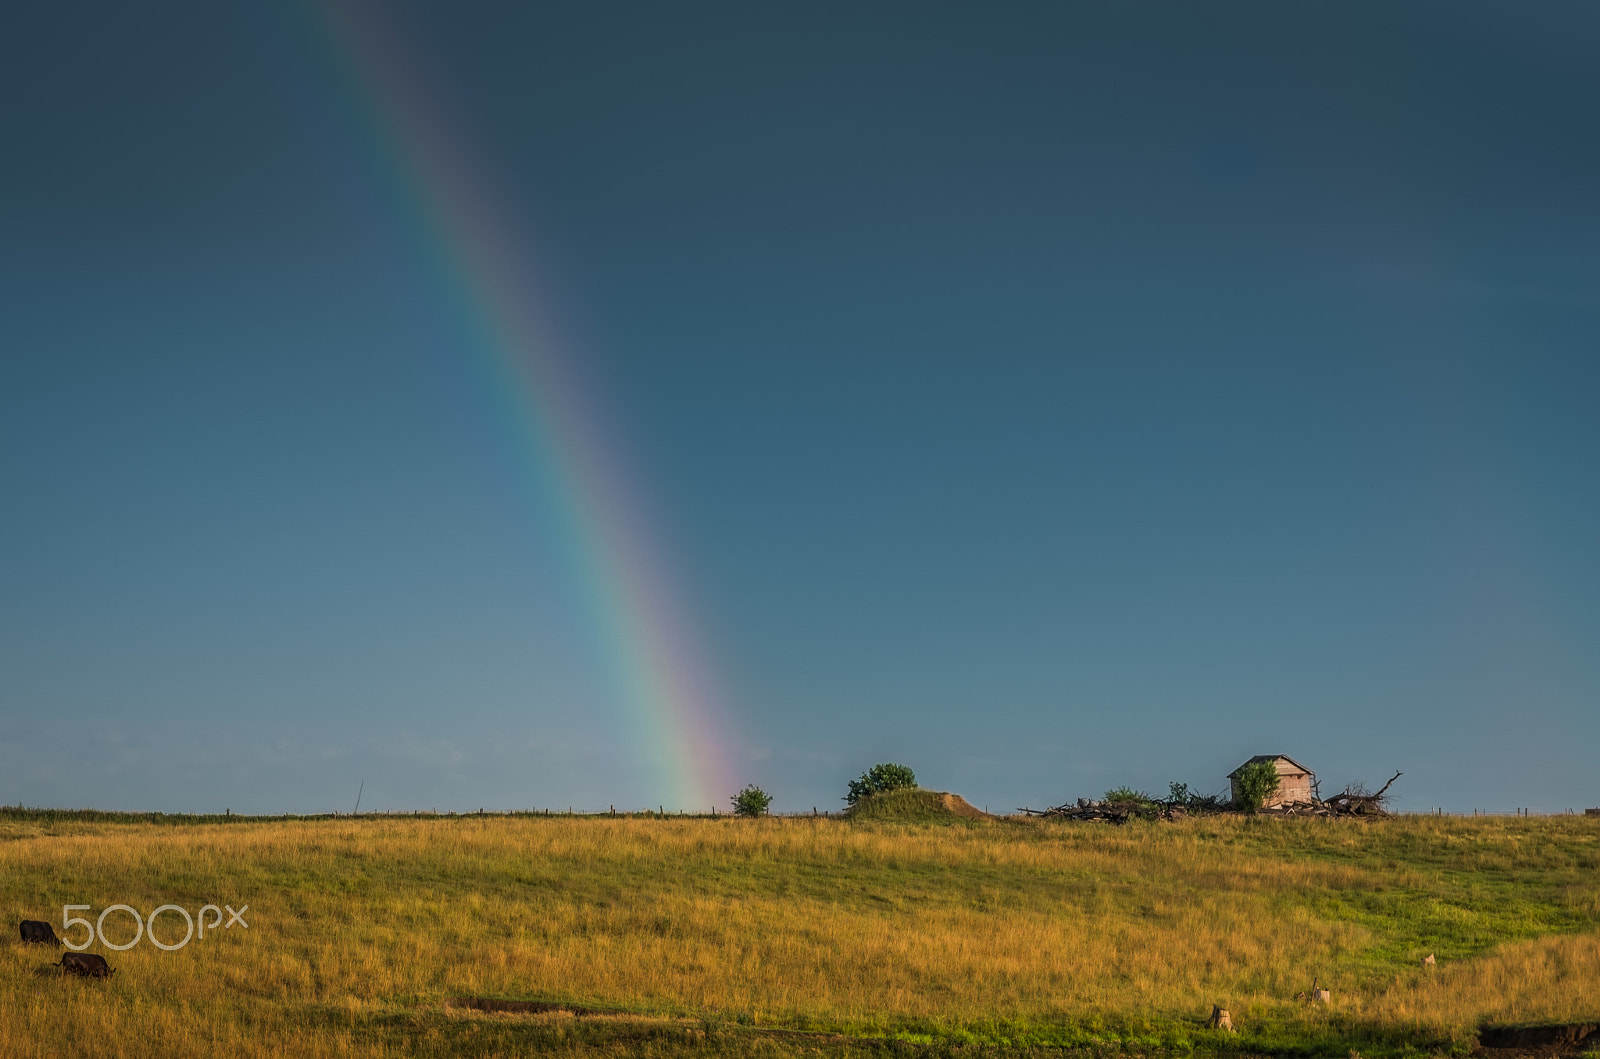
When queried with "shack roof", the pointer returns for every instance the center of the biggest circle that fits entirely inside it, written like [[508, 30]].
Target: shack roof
[[1270, 757]]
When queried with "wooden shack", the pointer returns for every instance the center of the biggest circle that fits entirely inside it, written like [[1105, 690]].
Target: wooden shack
[[1296, 783]]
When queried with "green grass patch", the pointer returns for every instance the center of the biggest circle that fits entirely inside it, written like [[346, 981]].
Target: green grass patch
[[912, 806]]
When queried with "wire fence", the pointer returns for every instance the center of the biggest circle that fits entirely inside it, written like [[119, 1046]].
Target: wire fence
[[1442, 811]]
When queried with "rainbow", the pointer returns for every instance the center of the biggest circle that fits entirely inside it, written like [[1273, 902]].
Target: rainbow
[[645, 633]]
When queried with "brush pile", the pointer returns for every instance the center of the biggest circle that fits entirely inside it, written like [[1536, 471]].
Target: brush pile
[[1113, 812], [1311, 808], [1352, 801]]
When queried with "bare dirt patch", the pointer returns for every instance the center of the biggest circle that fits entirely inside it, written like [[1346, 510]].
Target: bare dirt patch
[[959, 806]]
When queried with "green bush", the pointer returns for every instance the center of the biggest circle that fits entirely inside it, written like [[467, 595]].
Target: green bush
[[1255, 784], [1129, 794], [752, 801], [880, 778]]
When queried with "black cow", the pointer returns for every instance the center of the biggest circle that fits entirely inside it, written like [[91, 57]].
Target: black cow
[[85, 964], [39, 933]]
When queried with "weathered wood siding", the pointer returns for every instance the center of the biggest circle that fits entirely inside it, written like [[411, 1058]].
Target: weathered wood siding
[[1293, 785]]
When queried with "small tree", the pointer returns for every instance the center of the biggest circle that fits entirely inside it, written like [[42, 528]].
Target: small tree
[[1256, 783], [880, 778], [752, 801]]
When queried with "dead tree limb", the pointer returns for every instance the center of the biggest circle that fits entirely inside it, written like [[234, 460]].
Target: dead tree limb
[[1386, 786]]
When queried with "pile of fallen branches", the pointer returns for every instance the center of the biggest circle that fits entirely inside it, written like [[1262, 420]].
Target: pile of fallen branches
[[1112, 812], [1352, 801], [1311, 808]]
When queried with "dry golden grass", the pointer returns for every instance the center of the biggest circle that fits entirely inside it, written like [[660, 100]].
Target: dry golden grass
[[359, 929], [1548, 980]]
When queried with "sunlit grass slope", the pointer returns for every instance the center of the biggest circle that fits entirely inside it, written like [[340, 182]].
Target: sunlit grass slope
[[706, 935], [914, 806]]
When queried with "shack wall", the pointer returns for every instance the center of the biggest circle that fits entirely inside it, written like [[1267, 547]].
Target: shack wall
[[1294, 784]]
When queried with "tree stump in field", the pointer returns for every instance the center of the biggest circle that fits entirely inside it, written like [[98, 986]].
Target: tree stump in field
[[1220, 1019], [1427, 961]]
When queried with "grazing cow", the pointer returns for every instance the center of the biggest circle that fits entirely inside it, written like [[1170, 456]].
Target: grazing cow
[[39, 933], [85, 964]]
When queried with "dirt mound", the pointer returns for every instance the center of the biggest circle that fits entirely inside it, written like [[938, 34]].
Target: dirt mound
[[959, 806], [916, 806]]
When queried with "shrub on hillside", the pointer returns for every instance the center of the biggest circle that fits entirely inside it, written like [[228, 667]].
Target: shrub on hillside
[[752, 801], [880, 778], [1181, 794], [1256, 784], [1129, 794]]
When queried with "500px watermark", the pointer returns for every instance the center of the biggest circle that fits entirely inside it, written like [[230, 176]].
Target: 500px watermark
[[146, 926]]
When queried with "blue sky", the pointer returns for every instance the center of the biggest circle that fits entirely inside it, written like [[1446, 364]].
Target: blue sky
[[1046, 396]]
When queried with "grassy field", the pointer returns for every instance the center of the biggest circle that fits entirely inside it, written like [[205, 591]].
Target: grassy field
[[903, 933]]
